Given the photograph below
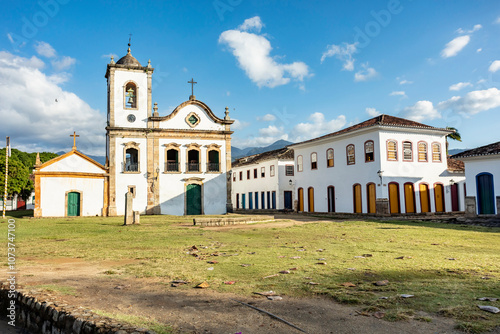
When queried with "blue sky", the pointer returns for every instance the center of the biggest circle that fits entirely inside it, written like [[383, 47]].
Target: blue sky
[[286, 69]]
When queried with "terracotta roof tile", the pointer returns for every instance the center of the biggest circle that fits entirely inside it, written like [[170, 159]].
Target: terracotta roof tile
[[455, 165], [490, 149], [282, 154]]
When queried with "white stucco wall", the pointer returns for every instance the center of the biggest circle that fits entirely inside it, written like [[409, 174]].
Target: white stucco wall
[[73, 163], [53, 199], [179, 120], [140, 78], [343, 176], [484, 164], [278, 183]]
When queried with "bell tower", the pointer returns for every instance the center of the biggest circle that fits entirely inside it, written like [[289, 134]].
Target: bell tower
[[129, 107]]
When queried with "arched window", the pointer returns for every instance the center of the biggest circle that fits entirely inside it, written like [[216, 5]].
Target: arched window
[[436, 152], [130, 95], [392, 150], [299, 163], [213, 158], [351, 160], [193, 158], [369, 154], [314, 160], [422, 151], [131, 157], [407, 151], [172, 152], [329, 157]]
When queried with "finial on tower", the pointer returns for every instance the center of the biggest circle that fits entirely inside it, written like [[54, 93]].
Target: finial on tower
[[129, 39], [226, 113], [149, 63], [155, 110], [112, 60], [38, 162]]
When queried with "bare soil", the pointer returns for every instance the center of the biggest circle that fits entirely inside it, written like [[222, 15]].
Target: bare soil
[[206, 311]]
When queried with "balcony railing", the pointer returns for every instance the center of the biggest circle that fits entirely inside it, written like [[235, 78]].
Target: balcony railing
[[193, 166], [171, 166], [213, 167], [131, 167]]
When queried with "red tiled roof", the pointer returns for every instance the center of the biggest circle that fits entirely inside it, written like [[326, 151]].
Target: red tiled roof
[[490, 149], [383, 119], [282, 153], [455, 165]]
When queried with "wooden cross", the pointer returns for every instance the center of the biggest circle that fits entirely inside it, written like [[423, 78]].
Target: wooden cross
[[192, 82], [74, 135]]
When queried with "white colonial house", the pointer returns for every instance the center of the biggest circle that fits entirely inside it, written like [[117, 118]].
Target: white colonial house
[[383, 165], [173, 164], [482, 172], [264, 181]]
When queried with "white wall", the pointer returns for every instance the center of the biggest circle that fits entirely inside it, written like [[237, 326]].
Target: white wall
[[53, 190], [73, 163], [343, 176], [477, 165], [278, 183]]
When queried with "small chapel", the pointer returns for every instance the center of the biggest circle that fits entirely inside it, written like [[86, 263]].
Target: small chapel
[[175, 164]]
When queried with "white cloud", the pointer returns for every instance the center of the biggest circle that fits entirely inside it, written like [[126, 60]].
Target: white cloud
[[399, 93], [474, 29], [317, 126], [367, 73], [373, 112], [253, 54], [405, 82], [473, 102], [343, 53], [109, 55], [460, 85], [497, 21], [253, 23], [45, 49], [267, 118], [455, 46], [238, 125], [35, 121], [495, 66], [479, 50], [420, 111], [63, 63]]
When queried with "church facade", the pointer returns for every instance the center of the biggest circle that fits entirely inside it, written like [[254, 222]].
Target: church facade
[[175, 164]]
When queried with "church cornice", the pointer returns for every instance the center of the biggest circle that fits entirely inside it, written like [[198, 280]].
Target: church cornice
[[194, 102], [167, 132]]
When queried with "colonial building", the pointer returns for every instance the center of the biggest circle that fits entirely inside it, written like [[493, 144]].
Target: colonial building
[[482, 171], [172, 164], [383, 165], [264, 181]]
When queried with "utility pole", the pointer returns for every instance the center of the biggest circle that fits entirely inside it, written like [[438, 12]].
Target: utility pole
[[7, 154]]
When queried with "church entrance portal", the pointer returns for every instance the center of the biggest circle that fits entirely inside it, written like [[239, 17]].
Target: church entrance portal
[[73, 204], [193, 199]]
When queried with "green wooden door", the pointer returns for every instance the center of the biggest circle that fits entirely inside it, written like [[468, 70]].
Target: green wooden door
[[193, 199], [73, 204], [485, 194]]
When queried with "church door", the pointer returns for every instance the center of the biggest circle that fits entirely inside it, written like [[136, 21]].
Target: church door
[[485, 194], [372, 201], [424, 198], [73, 204], [394, 197], [409, 198], [193, 199], [439, 197]]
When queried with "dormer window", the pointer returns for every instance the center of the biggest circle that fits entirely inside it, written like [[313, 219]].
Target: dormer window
[[130, 96]]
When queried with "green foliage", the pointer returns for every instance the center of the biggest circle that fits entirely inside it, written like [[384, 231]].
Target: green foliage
[[20, 167], [455, 135]]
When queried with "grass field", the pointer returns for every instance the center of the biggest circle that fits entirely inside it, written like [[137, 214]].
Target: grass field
[[446, 267]]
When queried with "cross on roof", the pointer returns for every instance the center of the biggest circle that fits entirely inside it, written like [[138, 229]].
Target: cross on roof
[[192, 82], [74, 135]]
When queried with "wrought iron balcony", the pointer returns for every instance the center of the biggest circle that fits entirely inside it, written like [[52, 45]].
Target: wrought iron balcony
[[213, 167], [171, 166], [193, 166], [131, 167]]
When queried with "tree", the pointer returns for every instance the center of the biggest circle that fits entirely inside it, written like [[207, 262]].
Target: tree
[[455, 135]]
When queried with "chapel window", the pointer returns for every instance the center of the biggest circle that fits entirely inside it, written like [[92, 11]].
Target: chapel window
[[422, 151], [314, 160], [392, 150], [172, 164], [131, 160], [436, 152], [193, 164], [329, 157], [351, 159], [130, 95], [369, 154], [407, 151], [213, 161]]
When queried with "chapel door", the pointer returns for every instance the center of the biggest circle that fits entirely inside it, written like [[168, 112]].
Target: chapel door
[[288, 200], [372, 201], [193, 199], [301, 199], [485, 195], [454, 197], [424, 198], [73, 204], [409, 198], [394, 197], [439, 197]]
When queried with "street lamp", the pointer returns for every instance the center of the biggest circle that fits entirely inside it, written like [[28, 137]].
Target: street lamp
[[379, 173]]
